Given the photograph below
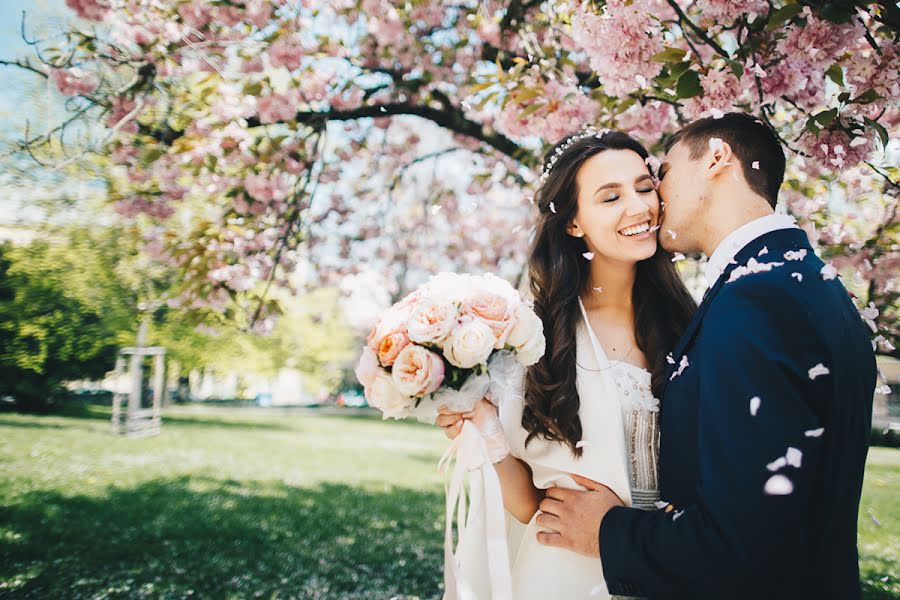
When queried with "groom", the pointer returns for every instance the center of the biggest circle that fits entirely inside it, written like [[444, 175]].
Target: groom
[[767, 408]]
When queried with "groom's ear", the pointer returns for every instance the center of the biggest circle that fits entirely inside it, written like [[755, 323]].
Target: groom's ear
[[719, 158]]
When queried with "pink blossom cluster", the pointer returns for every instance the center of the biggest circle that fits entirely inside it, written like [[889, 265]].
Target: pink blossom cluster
[[564, 108], [835, 149], [647, 123], [798, 79], [73, 82], [286, 51], [818, 41], [726, 11], [869, 70], [121, 107], [720, 91], [275, 108], [136, 205], [267, 187], [384, 23], [93, 10], [620, 43]]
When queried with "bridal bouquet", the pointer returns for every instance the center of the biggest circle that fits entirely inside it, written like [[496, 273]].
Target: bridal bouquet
[[450, 342]]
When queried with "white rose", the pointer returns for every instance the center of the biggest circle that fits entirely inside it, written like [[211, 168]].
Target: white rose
[[527, 323], [385, 396], [470, 344], [532, 350]]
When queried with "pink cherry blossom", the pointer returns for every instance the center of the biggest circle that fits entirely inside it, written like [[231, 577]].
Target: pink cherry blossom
[[73, 82]]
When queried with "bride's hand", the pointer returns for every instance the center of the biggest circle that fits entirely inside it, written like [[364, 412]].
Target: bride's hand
[[451, 422]]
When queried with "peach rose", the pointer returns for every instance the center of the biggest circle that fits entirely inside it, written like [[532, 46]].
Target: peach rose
[[431, 322], [391, 346], [417, 371], [494, 310], [393, 320]]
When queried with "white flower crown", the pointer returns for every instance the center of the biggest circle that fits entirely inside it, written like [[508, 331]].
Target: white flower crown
[[590, 131]]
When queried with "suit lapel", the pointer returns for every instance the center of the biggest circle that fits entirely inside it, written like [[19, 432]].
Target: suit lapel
[[781, 240]]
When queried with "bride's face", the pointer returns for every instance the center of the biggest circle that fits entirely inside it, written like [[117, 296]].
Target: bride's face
[[617, 206]]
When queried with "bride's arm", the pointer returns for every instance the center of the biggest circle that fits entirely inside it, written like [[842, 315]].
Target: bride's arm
[[520, 497]]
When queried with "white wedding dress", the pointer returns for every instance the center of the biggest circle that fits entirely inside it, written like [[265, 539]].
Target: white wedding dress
[[620, 443]]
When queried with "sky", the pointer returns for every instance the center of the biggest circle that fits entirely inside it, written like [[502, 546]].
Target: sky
[[20, 93]]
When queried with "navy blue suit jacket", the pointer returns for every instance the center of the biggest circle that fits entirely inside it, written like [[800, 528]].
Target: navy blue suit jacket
[[757, 336]]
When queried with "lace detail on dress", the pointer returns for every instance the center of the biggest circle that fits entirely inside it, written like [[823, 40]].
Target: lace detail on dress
[[640, 412]]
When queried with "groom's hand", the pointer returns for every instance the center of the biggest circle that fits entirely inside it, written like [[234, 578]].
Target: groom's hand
[[574, 516]]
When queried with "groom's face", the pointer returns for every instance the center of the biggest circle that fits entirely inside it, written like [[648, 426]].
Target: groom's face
[[682, 189]]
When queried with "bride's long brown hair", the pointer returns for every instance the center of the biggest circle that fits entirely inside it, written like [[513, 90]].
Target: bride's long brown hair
[[559, 275]]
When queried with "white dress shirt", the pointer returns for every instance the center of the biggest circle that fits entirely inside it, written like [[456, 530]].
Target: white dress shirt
[[739, 238]]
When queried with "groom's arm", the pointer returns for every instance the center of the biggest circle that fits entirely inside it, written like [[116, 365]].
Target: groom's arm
[[753, 346]]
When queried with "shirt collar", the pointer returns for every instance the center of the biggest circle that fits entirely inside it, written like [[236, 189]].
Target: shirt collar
[[739, 238]]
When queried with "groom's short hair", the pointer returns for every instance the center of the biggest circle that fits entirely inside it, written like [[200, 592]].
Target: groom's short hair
[[751, 140]]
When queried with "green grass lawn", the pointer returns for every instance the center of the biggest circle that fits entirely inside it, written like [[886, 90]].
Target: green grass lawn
[[242, 503]]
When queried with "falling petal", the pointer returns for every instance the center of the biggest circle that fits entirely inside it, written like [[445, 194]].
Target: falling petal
[[661, 504], [715, 144], [776, 464], [764, 251], [828, 272], [599, 290], [684, 364], [817, 370], [754, 405], [716, 113], [779, 485], [669, 359], [755, 165], [884, 390], [859, 141], [798, 276], [596, 590], [814, 433], [794, 457], [582, 444], [678, 256], [677, 514], [798, 255], [672, 233], [553, 208], [654, 228], [588, 255]]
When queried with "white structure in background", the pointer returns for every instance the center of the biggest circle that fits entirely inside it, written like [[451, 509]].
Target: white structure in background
[[137, 421]]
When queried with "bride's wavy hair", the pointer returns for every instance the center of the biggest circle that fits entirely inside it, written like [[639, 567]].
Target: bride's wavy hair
[[559, 275]]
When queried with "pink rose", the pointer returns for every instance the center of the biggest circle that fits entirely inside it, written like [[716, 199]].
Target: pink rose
[[494, 310], [431, 322], [417, 371]]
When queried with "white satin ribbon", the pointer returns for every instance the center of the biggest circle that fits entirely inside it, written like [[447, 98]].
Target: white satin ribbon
[[486, 502]]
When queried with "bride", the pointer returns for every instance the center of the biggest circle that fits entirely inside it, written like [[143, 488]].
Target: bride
[[612, 306]]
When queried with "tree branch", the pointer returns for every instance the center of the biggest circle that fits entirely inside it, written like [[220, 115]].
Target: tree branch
[[448, 118], [696, 29]]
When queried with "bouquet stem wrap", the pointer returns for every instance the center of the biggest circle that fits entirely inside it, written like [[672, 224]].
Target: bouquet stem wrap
[[479, 568]]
